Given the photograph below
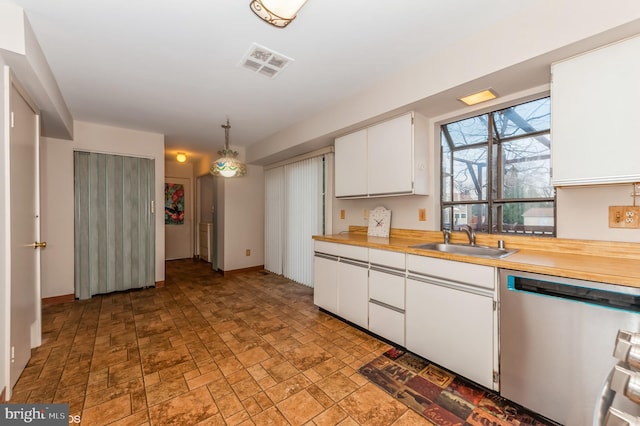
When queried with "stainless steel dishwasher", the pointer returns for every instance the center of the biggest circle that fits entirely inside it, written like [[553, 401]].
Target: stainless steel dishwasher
[[556, 339]]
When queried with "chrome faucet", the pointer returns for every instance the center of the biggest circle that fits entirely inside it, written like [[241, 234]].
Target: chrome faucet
[[447, 235], [470, 233]]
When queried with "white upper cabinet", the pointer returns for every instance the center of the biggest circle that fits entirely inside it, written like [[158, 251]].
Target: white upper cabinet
[[595, 110], [385, 159], [390, 156], [351, 164]]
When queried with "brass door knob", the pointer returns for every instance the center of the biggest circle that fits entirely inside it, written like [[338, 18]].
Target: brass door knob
[[42, 244]]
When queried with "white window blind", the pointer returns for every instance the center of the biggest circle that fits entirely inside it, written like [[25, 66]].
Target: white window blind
[[273, 217], [294, 195]]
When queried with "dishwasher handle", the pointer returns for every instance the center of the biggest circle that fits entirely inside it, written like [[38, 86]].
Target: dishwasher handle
[[590, 295]]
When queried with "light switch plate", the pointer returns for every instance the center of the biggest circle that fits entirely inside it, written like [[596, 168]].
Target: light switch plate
[[624, 217]]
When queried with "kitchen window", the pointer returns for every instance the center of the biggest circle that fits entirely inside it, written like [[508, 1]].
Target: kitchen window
[[496, 171]]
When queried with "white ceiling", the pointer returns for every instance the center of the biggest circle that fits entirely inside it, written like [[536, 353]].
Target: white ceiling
[[172, 66]]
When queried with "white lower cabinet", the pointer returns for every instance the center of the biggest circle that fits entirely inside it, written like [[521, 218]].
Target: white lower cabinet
[[442, 310], [353, 292], [453, 324], [325, 285]]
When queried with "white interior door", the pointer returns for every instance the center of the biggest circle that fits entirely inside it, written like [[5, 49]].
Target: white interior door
[[179, 236], [25, 231]]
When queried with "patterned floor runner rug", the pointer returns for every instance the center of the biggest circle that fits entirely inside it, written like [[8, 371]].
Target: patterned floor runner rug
[[442, 397]]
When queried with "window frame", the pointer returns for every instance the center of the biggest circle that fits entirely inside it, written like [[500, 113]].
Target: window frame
[[495, 200]]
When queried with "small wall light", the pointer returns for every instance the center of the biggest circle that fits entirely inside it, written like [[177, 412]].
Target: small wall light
[[181, 157]]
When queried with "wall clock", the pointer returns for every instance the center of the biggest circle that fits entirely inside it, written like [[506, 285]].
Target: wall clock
[[379, 222]]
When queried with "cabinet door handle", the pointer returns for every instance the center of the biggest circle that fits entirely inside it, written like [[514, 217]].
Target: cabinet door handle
[[386, 305], [326, 256], [354, 263], [396, 272], [452, 285]]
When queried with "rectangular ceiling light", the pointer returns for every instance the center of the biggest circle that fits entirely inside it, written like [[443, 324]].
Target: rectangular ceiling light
[[476, 98]]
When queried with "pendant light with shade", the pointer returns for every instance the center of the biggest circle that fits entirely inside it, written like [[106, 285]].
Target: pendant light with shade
[[228, 164]]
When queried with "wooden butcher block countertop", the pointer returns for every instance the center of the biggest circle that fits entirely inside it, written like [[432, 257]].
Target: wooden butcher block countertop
[[600, 261]]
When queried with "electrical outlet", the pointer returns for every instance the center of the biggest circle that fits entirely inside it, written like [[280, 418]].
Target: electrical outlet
[[342, 214], [422, 215], [624, 217], [247, 252], [365, 214]]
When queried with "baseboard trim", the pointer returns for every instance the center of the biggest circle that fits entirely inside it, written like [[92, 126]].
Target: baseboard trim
[[238, 271], [55, 300], [159, 284]]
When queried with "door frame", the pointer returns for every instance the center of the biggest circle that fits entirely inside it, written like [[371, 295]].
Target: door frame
[[10, 81], [198, 209], [189, 209]]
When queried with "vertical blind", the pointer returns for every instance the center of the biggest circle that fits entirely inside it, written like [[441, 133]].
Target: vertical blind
[[114, 236], [274, 219], [294, 208]]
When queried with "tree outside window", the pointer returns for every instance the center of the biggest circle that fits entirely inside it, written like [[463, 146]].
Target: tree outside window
[[496, 171]]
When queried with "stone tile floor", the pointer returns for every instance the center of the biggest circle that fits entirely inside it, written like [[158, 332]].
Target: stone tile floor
[[246, 349]]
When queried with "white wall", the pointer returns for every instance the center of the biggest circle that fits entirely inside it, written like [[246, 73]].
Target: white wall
[[22, 52], [583, 212], [57, 195], [239, 215], [175, 169], [12, 36], [244, 220], [404, 212]]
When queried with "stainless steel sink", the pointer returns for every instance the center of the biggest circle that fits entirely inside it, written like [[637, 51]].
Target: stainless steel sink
[[469, 250]]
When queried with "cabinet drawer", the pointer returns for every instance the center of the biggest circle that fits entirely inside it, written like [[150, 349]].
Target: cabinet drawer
[[342, 250], [467, 273], [325, 247], [353, 252], [386, 288], [392, 259], [386, 323]]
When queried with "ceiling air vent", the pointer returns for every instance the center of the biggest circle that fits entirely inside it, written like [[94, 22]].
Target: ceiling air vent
[[264, 61]]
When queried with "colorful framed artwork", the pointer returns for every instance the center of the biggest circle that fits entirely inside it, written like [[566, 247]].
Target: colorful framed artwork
[[173, 204]]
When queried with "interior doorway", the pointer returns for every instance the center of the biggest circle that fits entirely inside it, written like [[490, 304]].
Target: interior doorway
[[114, 238], [178, 213], [206, 218]]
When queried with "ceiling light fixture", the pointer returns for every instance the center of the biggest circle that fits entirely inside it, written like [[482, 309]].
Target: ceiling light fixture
[[278, 13], [227, 165], [476, 98], [181, 157]]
